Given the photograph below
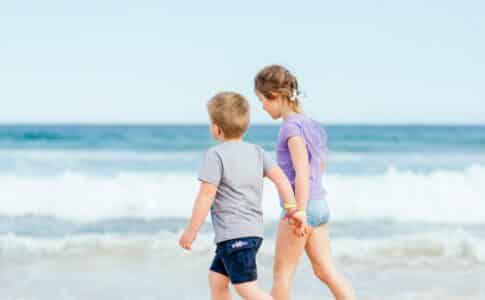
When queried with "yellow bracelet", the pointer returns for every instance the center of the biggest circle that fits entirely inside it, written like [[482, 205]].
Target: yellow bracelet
[[288, 205], [301, 212]]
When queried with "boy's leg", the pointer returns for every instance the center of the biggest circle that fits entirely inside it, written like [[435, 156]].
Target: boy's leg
[[251, 291], [239, 259], [318, 250], [219, 279], [219, 285]]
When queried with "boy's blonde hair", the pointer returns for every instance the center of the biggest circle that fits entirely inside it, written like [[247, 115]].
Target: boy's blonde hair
[[229, 111], [277, 80]]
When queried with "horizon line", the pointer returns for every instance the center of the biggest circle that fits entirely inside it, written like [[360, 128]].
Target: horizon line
[[84, 123]]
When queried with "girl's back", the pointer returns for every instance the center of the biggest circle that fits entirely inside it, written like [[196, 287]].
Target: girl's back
[[299, 124]]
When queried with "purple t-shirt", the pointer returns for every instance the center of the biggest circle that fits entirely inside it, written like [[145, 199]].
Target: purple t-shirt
[[316, 143]]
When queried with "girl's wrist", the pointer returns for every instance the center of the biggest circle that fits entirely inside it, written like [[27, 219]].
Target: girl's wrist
[[300, 212], [301, 209], [301, 206], [295, 211]]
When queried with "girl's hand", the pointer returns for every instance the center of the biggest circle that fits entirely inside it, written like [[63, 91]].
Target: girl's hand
[[187, 239], [301, 227], [302, 230], [297, 219]]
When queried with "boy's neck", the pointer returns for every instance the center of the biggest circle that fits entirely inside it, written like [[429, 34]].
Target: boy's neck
[[223, 140]]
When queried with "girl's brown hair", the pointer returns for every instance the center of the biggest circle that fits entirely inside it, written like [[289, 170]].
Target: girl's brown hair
[[276, 80]]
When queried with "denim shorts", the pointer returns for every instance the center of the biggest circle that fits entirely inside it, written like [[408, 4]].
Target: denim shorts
[[236, 259], [317, 212]]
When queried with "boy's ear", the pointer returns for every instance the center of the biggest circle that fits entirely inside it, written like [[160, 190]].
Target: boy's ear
[[217, 130]]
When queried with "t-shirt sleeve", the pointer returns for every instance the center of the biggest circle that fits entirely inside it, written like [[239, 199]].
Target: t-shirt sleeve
[[211, 168], [268, 162], [290, 129], [324, 145]]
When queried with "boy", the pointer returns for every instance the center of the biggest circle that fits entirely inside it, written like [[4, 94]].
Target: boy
[[231, 186]]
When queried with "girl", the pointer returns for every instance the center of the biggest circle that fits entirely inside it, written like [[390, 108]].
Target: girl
[[300, 153]]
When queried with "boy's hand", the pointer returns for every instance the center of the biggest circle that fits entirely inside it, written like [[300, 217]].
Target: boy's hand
[[187, 239]]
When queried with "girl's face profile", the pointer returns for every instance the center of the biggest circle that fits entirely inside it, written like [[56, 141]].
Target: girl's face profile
[[272, 107]]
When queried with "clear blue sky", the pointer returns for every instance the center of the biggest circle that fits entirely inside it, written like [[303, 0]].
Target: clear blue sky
[[159, 61]]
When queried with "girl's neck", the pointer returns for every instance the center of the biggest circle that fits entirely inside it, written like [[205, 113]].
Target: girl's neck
[[286, 112]]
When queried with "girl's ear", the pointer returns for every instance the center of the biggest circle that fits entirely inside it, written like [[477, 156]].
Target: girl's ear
[[275, 96]]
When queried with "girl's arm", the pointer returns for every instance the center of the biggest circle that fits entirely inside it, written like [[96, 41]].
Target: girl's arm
[[299, 157], [202, 204], [285, 191]]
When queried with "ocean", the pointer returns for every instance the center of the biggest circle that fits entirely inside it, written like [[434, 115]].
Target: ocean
[[95, 211]]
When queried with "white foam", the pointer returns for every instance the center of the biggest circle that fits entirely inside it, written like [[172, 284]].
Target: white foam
[[416, 248], [440, 196], [428, 245]]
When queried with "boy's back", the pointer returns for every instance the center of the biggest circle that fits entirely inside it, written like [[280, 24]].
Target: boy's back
[[237, 169], [231, 188]]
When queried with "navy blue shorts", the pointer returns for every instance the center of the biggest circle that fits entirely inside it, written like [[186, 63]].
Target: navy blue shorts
[[236, 259]]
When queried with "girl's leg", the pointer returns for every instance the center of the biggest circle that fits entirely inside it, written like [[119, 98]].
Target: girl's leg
[[219, 286], [318, 250], [251, 291], [288, 250]]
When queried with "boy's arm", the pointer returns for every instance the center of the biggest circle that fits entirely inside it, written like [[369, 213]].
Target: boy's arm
[[285, 191], [202, 204], [279, 179]]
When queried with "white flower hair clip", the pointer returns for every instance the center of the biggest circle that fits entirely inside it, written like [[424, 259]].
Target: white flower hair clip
[[294, 95]]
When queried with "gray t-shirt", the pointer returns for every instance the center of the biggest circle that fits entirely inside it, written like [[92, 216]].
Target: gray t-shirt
[[237, 169]]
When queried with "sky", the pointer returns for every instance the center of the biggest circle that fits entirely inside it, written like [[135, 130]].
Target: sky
[[377, 62]]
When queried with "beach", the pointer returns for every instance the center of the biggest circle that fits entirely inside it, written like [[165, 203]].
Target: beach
[[94, 212]]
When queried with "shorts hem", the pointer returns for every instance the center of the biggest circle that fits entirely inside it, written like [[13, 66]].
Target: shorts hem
[[247, 279]]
